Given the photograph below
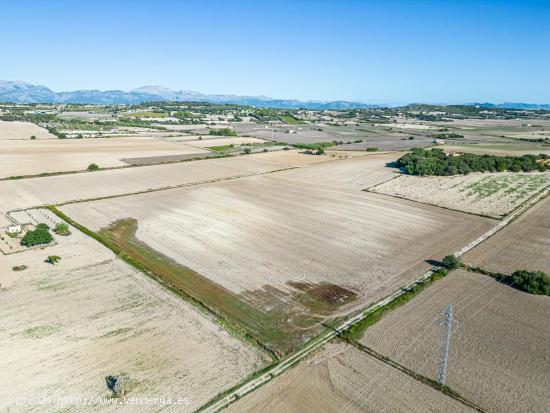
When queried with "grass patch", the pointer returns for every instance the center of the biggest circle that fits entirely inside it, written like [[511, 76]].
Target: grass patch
[[42, 331], [278, 329], [290, 120]]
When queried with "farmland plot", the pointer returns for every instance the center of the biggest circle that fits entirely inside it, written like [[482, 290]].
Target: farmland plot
[[499, 355], [357, 173], [342, 378], [524, 244], [21, 131], [279, 256], [26, 157], [490, 194], [64, 328], [25, 193]]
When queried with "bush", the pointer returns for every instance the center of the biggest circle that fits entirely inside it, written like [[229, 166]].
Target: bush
[[319, 151], [43, 226], [247, 150], [19, 268], [372, 149], [33, 137], [53, 259], [37, 237], [532, 282], [451, 262], [61, 228], [93, 167]]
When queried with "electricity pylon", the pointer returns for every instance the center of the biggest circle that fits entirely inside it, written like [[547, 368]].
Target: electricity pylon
[[448, 325]]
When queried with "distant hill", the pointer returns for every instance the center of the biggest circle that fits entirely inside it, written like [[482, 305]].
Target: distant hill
[[514, 105], [21, 92]]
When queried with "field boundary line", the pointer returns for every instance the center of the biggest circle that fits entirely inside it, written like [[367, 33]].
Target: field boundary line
[[418, 377], [251, 385]]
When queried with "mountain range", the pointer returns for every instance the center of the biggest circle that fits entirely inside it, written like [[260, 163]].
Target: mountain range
[[22, 92]]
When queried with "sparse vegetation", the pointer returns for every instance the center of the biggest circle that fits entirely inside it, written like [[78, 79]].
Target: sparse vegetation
[[53, 259], [19, 268]]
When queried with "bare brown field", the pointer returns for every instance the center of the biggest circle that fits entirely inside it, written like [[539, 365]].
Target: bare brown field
[[524, 244], [35, 157], [490, 194], [356, 173], [21, 131], [64, 328], [341, 378], [282, 247], [499, 355]]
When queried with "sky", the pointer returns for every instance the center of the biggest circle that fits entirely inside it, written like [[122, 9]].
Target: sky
[[369, 51]]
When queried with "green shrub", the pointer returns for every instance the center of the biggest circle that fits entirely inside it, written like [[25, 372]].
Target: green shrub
[[19, 268], [247, 150], [43, 226], [33, 137], [61, 228], [372, 149], [53, 259], [451, 262], [93, 167]]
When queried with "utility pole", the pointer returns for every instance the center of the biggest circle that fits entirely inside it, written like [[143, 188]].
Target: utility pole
[[447, 324]]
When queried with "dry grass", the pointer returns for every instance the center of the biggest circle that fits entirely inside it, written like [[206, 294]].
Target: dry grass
[[341, 378], [490, 194], [34, 157], [21, 131], [65, 327], [357, 173], [524, 244], [25, 193], [498, 357]]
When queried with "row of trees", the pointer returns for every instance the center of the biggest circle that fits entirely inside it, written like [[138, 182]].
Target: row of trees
[[435, 162], [222, 132]]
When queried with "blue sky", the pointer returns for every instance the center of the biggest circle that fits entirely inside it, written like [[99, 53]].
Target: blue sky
[[383, 51]]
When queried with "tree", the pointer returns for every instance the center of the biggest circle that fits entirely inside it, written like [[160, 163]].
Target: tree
[[247, 150], [37, 237], [533, 282], [451, 262], [93, 167], [33, 137], [43, 226]]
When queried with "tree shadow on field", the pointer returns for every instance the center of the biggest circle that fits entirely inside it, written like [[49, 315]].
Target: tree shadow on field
[[434, 263]]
